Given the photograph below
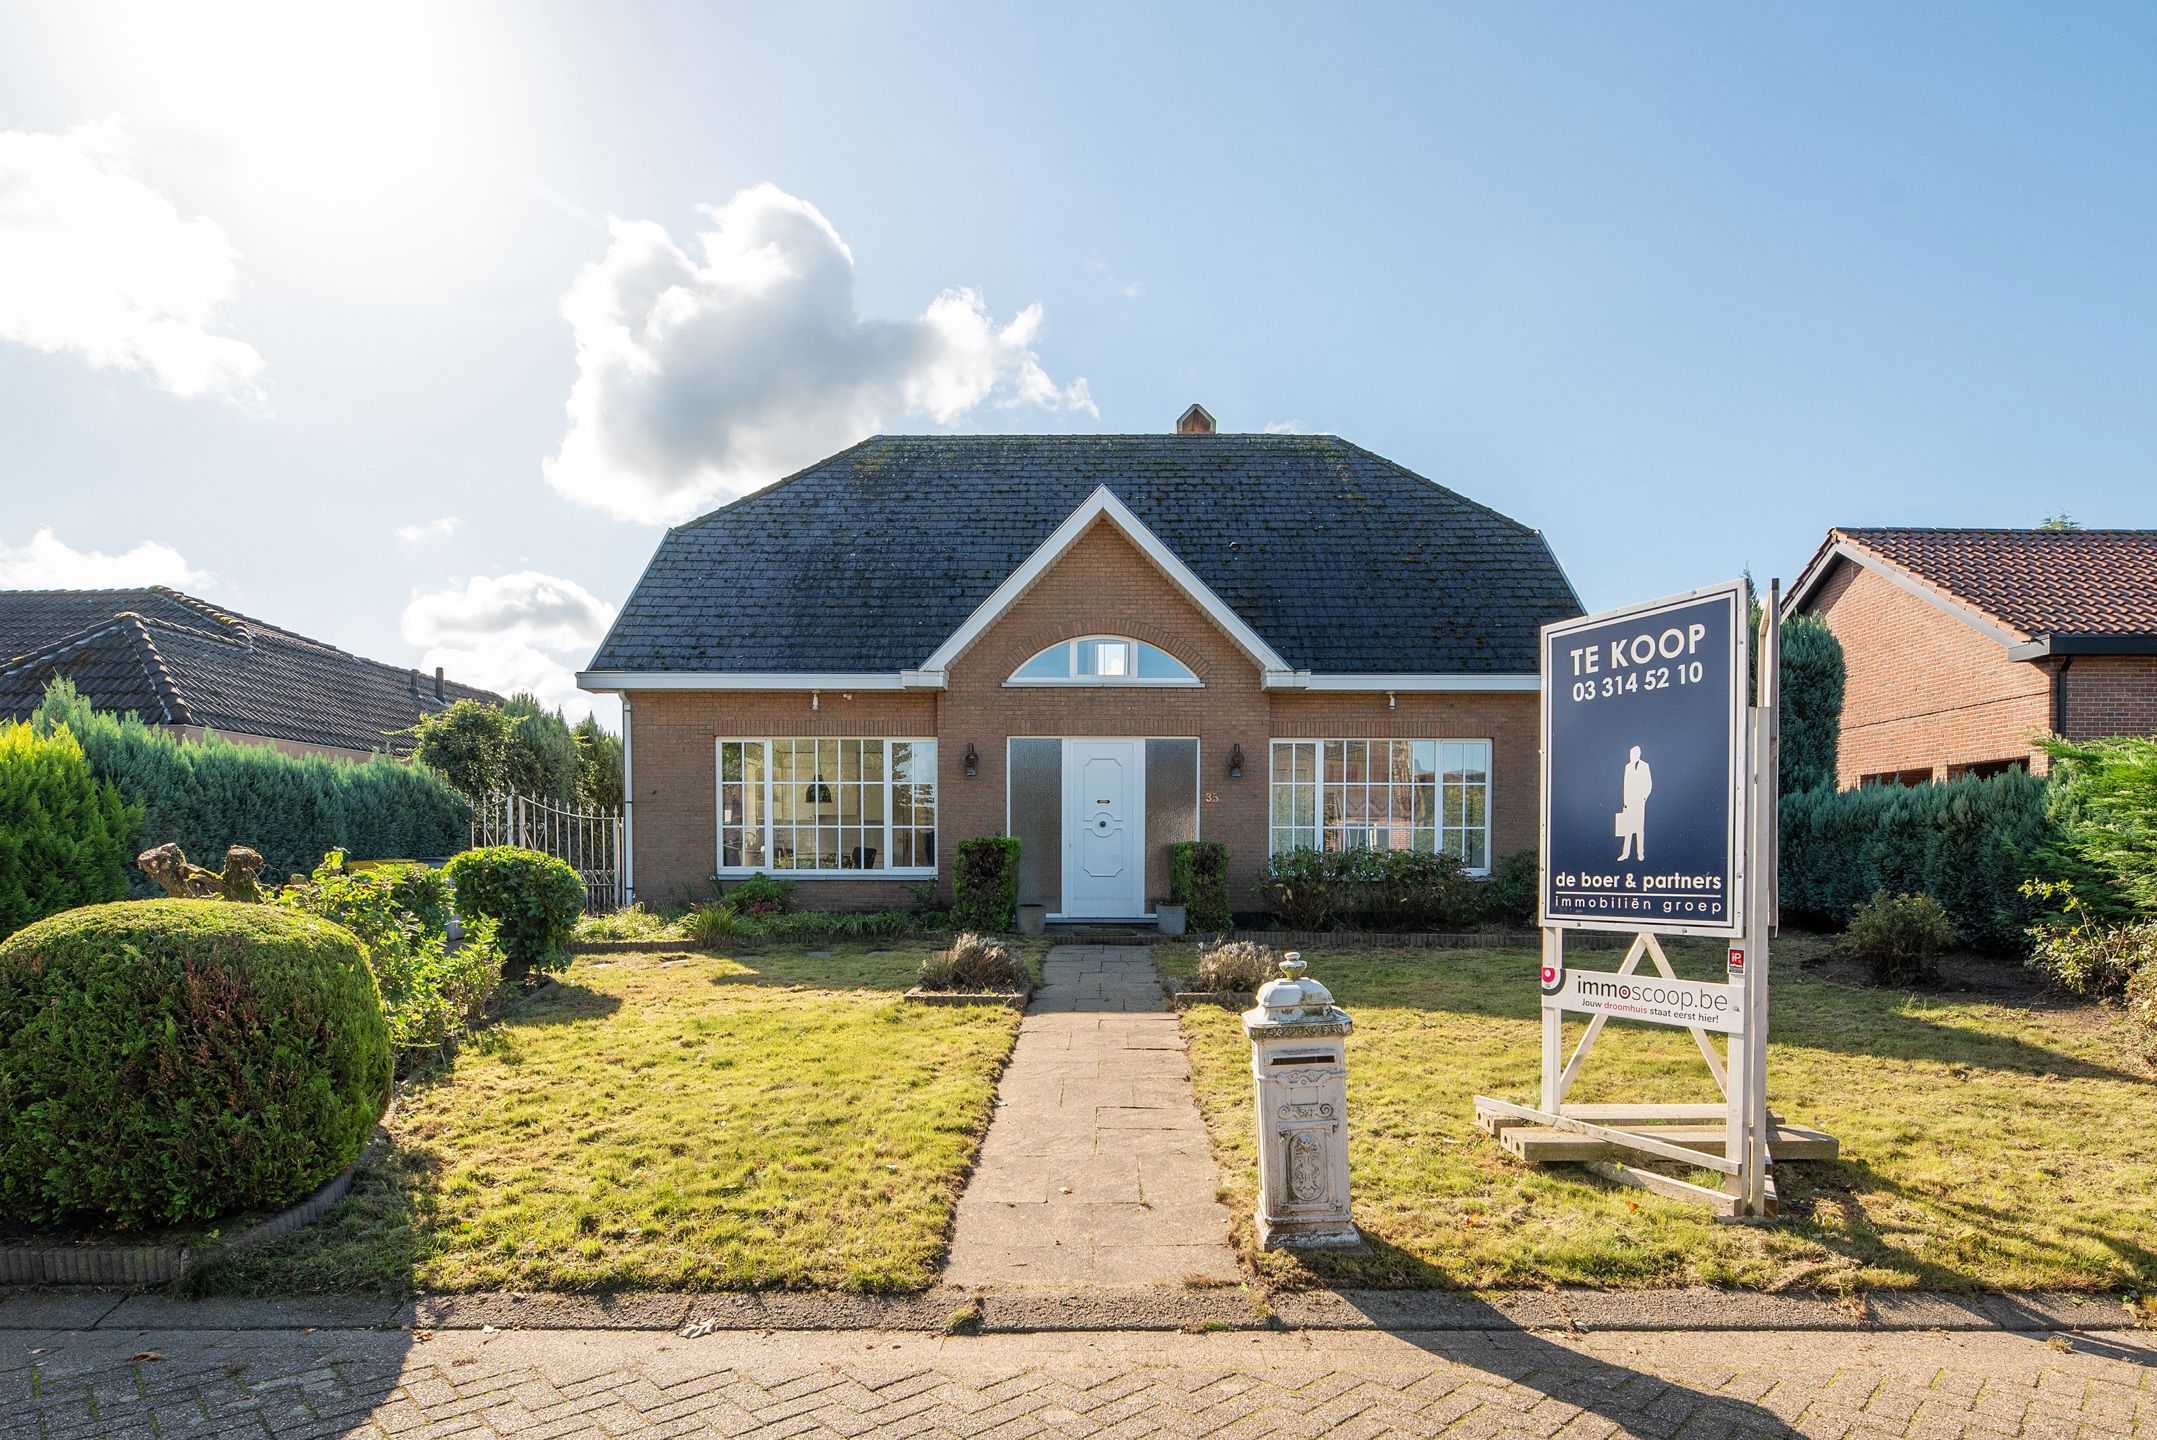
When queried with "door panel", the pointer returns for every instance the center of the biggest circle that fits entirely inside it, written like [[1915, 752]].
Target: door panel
[[1104, 836]]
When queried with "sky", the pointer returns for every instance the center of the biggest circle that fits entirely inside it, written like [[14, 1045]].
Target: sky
[[410, 327]]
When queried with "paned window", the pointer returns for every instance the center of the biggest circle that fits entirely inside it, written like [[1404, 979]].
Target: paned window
[[1103, 660], [1429, 795], [788, 806]]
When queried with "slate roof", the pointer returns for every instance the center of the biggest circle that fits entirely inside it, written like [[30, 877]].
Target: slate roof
[[1341, 560], [173, 659], [2033, 582]]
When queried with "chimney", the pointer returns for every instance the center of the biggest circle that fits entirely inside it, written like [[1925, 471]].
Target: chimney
[[438, 684], [1194, 421]]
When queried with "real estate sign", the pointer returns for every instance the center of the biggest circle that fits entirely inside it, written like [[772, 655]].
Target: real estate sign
[[1644, 767], [1710, 1004]]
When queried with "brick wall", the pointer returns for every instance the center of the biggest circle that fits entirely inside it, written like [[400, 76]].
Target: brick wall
[[1925, 690], [2111, 695], [1102, 585]]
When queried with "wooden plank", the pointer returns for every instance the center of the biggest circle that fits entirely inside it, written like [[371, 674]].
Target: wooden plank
[[1631, 1139], [1664, 1185], [1546, 1145], [1648, 1112]]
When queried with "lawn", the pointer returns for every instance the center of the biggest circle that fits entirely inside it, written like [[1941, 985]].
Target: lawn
[[1992, 1138], [675, 1121]]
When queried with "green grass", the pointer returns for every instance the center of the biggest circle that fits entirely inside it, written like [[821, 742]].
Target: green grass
[[1996, 1140], [775, 1120]]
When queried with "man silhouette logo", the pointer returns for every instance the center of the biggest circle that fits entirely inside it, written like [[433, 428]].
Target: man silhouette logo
[[1632, 821]]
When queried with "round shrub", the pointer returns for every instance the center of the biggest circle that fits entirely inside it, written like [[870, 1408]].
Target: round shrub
[[534, 898], [165, 1061]]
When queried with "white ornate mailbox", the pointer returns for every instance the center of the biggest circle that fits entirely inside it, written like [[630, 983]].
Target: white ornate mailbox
[[1299, 1071]]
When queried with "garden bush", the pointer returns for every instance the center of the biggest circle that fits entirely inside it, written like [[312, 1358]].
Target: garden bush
[[2083, 954], [1304, 887], [1967, 843], [166, 1061], [760, 894], [976, 962], [1198, 881], [1234, 966], [2104, 805], [1897, 937], [1511, 894], [1420, 890], [431, 990], [211, 794], [985, 883], [533, 899], [65, 835]]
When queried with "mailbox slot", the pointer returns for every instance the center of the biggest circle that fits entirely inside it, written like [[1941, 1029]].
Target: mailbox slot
[[1280, 1060]]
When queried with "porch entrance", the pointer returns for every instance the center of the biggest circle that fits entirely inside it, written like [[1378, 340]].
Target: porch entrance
[[1104, 840]]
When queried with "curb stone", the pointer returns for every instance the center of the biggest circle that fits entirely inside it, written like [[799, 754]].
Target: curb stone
[[1020, 1311]]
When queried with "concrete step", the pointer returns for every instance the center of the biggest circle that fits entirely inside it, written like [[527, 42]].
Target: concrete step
[[1544, 1145]]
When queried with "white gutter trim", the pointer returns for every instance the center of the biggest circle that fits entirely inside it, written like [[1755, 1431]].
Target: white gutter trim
[[1103, 504], [620, 680], [1454, 684]]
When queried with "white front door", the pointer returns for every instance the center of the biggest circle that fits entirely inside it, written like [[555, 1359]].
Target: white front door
[[1104, 829]]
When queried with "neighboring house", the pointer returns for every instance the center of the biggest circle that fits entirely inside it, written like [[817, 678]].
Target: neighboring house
[[1964, 646], [177, 661], [1099, 644]]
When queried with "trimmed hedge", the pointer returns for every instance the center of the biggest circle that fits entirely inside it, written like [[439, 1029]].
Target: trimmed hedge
[[1967, 843], [985, 883], [1810, 683], [535, 900], [214, 793], [167, 1061], [1198, 881], [65, 836]]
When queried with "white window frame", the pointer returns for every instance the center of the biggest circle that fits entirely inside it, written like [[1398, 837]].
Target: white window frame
[[1188, 680], [896, 872], [1316, 830]]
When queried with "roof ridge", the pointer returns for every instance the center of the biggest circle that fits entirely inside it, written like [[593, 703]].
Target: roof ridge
[[162, 682], [767, 489]]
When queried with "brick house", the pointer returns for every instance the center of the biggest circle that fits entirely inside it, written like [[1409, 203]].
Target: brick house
[[173, 660], [1098, 644], [1964, 646]]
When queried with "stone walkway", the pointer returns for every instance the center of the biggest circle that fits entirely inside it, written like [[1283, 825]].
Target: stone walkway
[[1095, 1172], [540, 1384]]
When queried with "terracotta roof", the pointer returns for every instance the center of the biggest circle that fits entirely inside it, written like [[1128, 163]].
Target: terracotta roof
[[173, 659], [2032, 582]]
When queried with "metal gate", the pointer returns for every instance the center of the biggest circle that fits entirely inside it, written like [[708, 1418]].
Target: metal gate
[[589, 840]]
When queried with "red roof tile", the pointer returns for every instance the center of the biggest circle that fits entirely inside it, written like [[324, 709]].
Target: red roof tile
[[2037, 582]]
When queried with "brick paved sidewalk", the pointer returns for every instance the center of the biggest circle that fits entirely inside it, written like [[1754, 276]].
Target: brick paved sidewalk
[[295, 1384]]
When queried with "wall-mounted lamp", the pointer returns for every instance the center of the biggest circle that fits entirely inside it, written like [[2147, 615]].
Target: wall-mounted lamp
[[816, 700], [1392, 702], [1235, 762], [973, 760]]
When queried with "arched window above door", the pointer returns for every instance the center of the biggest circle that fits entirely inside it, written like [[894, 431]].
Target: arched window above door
[[1103, 660]]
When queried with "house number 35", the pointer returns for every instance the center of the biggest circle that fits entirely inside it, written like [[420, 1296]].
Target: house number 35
[[1213, 797]]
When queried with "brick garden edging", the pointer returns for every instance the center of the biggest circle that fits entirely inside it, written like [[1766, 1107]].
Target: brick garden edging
[[1016, 999], [140, 1266]]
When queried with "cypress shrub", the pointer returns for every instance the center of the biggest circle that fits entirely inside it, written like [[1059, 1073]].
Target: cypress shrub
[[1811, 686], [2104, 801], [535, 899], [1198, 881], [1967, 843], [65, 836], [985, 883], [166, 1061], [213, 793]]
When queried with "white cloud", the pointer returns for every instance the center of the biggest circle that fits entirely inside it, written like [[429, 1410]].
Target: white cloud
[[49, 563], [522, 631], [1284, 427], [705, 375], [438, 529], [96, 264]]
